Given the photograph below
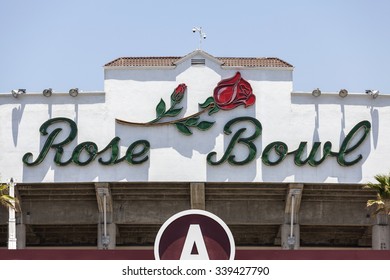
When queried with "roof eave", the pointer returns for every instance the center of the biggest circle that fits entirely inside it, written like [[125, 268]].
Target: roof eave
[[138, 67], [257, 68]]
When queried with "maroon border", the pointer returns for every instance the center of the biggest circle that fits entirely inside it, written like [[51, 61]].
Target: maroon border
[[49, 254]]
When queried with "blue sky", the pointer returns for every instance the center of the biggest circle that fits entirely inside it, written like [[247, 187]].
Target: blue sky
[[332, 44]]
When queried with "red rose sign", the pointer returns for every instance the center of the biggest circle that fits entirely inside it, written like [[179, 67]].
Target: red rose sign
[[233, 92], [228, 94], [178, 93]]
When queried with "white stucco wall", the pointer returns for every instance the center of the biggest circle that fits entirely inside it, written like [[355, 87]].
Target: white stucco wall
[[132, 95]]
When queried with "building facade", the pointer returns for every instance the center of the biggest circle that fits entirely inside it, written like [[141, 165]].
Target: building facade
[[229, 135]]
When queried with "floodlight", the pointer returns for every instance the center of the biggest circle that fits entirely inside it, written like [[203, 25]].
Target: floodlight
[[343, 92], [17, 92], [73, 92], [47, 92], [373, 93], [316, 92]]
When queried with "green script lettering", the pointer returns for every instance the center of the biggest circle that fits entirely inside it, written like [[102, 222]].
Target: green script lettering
[[137, 153], [346, 147], [280, 149], [237, 139], [86, 152]]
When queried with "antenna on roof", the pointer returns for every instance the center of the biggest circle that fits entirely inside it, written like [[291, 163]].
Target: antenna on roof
[[202, 35]]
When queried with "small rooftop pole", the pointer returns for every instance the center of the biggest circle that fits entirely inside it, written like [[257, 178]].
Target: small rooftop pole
[[202, 35]]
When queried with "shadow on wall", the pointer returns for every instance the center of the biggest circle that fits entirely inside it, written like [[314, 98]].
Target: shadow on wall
[[375, 126], [330, 169], [226, 171], [68, 171], [173, 152], [17, 112], [183, 141], [47, 169]]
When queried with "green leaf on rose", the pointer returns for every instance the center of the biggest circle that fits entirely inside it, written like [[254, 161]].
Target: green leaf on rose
[[192, 121], [204, 125], [183, 129], [160, 109], [213, 110], [207, 103], [173, 112]]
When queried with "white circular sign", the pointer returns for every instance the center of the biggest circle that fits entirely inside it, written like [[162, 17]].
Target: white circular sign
[[194, 235]]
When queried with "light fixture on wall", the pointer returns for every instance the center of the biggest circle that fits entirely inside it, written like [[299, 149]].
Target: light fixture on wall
[[343, 92], [74, 92], [47, 92], [17, 92], [373, 93], [316, 92]]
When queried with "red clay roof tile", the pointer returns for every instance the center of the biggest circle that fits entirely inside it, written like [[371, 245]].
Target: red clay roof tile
[[164, 61]]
